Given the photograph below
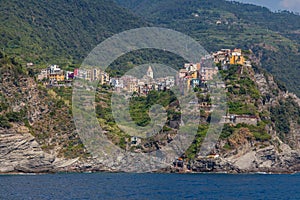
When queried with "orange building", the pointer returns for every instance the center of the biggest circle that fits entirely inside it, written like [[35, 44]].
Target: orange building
[[237, 58]]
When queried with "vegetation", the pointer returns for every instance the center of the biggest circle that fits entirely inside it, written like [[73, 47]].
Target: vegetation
[[192, 151], [4, 123], [61, 32], [139, 106], [273, 37], [283, 114]]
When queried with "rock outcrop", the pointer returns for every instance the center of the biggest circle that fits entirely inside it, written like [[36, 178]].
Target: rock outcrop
[[21, 153]]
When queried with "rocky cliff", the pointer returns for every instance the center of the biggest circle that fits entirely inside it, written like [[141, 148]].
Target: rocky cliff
[[274, 148], [36, 129]]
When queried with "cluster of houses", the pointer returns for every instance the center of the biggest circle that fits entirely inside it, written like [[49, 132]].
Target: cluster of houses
[[194, 75], [143, 85], [191, 75], [227, 57], [55, 76], [198, 74]]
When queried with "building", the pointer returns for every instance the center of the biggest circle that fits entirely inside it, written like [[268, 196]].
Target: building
[[29, 64], [150, 72], [56, 76], [191, 67], [208, 73], [237, 58], [182, 73], [42, 75], [178, 163], [240, 119], [222, 57], [194, 83], [135, 141], [53, 73], [103, 78], [69, 75], [76, 72], [52, 69]]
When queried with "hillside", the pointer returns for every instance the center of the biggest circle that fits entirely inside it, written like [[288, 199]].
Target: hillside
[[216, 24], [37, 133], [61, 32]]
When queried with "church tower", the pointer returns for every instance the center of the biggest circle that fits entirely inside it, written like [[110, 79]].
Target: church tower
[[150, 72]]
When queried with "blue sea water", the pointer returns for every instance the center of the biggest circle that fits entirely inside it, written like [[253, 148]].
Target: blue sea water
[[149, 186]]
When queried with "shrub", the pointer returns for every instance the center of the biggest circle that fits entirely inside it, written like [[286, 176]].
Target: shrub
[[4, 123]]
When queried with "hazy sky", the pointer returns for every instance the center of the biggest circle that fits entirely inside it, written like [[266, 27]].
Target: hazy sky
[[292, 5]]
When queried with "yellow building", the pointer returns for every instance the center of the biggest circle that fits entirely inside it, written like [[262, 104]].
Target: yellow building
[[57, 76], [194, 74], [237, 59], [103, 78]]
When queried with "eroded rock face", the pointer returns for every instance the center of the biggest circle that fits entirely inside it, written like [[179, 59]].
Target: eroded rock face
[[213, 165], [43, 147], [19, 152], [272, 158], [249, 155]]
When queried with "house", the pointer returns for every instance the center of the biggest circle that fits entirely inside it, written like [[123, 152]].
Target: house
[[208, 73], [240, 119], [170, 81], [104, 78], [237, 58], [117, 83], [76, 72], [182, 73], [52, 69], [56, 76], [29, 64], [192, 67], [222, 56], [69, 75], [246, 119], [178, 163], [135, 141], [195, 83], [95, 74], [42, 75]]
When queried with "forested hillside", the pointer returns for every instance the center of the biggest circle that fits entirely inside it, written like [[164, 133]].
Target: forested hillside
[[60, 31]]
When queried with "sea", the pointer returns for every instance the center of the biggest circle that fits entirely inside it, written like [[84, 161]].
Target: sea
[[149, 186]]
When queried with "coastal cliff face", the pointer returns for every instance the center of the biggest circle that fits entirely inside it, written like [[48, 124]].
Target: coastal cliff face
[[21, 153], [36, 130], [37, 134], [243, 151], [249, 157]]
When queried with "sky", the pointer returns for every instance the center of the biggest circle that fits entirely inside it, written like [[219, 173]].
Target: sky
[[274, 5]]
